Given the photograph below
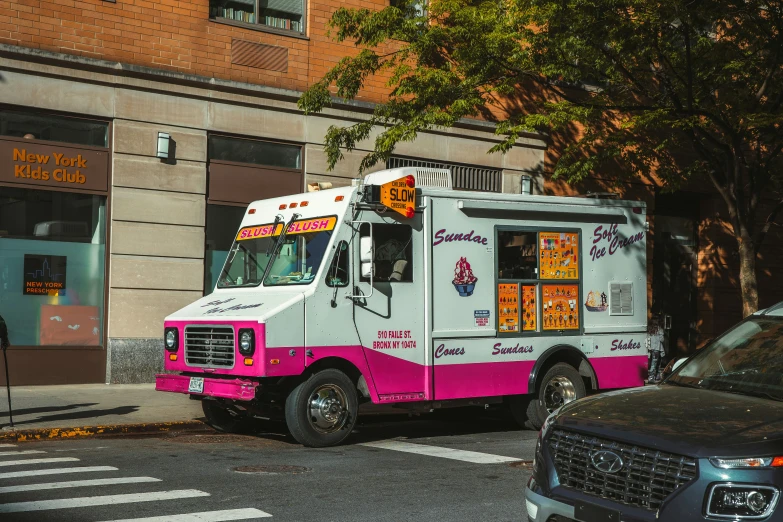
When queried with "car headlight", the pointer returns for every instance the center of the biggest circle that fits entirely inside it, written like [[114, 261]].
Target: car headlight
[[742, 501], [247, 341], [170, 336]]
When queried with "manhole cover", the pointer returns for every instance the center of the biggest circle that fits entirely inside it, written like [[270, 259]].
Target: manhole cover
[[524, 465], [272, 469]]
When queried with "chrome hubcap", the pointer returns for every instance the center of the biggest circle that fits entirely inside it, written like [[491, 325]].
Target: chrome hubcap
[[558, 391], [328, 408]]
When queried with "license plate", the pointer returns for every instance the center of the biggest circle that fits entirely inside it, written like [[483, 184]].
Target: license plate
[[585, 512], [196, 385]]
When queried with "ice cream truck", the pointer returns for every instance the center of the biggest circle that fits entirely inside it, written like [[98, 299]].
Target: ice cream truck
[[401, 290]]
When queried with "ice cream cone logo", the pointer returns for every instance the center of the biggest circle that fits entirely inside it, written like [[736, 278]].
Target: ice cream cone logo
[[464, 280]]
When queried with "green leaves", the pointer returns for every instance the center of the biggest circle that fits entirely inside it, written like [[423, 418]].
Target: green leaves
[[671, 87]]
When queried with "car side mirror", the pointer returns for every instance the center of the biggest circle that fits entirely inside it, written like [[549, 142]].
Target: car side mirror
[[673, 365]]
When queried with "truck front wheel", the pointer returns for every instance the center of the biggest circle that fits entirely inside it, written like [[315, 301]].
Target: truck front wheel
[[322, 410]]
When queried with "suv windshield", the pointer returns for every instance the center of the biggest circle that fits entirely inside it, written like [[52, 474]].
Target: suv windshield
[[746, 360], [294, 261]]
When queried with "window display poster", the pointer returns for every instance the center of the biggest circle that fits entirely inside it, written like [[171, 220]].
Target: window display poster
[[559, 305], [559, 255], [508, 307], [529, 308], [70, 325], [44, 274]]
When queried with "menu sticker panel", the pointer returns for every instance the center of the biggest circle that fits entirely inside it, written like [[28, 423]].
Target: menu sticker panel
[[560, 307], [559, 255], [529, 308], [508, 307]]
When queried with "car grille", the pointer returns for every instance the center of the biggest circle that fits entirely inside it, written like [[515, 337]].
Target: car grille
[[209, 346], [646, 478]]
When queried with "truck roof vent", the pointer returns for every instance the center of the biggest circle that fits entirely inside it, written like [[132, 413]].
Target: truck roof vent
[[435, 178]]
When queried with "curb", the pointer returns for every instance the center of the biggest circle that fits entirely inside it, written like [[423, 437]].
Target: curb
[[112, 430]]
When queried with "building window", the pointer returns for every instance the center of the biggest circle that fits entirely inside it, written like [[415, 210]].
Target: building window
[[53, 128], [286, 15], [238, 150], [52, 265], [463, 177]]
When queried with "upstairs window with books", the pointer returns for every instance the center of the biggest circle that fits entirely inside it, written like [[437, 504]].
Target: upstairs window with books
[[283, 15]]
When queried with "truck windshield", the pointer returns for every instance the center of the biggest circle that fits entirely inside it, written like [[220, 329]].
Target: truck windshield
[[295, 262], [747, 360]]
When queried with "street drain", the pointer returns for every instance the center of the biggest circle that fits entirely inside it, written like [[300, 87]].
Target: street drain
[[272, 469], [524, 465]]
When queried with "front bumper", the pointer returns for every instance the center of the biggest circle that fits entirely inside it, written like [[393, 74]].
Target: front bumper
[[236, 389], [540, 508]]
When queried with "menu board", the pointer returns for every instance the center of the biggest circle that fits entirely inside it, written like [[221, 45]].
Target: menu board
[[508, 307], [559, 255], [529, 308], [560, 307]]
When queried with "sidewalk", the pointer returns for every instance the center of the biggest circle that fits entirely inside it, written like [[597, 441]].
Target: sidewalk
[[53, 412]]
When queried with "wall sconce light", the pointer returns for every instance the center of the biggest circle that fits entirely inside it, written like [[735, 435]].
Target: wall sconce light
[[164, 140], [527, 185]]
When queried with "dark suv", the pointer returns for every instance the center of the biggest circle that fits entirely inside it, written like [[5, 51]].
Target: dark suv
[[705, 444]]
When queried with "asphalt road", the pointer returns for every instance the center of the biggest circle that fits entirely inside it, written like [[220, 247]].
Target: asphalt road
[[466, 466]]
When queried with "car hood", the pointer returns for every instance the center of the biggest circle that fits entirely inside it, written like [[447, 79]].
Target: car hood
[[237, 306], [698, 423]]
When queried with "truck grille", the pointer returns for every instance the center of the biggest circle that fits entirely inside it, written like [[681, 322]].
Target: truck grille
[[209, 346], [646, 478]]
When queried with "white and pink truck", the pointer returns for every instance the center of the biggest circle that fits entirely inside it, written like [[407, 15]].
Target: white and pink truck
[[401, 290]]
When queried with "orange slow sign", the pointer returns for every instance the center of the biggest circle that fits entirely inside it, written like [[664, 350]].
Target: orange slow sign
[[400, 195], [305, 226]]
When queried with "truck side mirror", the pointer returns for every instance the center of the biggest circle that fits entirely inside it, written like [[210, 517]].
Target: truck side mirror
[[367, 270], [365, 251]]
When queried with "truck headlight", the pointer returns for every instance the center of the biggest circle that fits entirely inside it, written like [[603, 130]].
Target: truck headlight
[[742, 501], [170, 336], [247, 341]]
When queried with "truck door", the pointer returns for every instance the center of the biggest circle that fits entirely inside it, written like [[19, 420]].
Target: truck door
[[389, 314]]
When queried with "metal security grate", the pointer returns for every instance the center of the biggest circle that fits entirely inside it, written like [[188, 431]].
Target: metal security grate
[[646, 478], [209, 346], [462, 177]]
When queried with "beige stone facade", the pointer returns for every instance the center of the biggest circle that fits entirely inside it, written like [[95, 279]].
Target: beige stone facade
[[156, 237]]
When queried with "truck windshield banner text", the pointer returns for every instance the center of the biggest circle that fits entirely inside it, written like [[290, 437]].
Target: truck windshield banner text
[[297, 227]]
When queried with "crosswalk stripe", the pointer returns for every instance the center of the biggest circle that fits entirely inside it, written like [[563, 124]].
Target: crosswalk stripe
[[205, 516], [76, 484], [37, 461], [105, 500], [7, 445], [27, 452], [55, 471], [435, 451]]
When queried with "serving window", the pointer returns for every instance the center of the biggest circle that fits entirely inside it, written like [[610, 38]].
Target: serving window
[[538, 281]]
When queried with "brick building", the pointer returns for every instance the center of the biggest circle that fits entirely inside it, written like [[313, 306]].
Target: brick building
[[90, 87]]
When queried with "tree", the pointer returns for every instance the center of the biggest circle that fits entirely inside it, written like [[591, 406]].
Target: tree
[[680, 90]]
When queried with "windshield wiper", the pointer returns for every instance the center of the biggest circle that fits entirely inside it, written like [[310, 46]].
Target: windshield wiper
[[682, 384], [754, 393], [278, 245], [278, 220]]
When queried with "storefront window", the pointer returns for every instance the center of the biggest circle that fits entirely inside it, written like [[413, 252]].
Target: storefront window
[[53, 128], [52, 267], [223, 221]]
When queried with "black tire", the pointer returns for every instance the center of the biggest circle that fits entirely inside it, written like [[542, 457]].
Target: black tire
[[329, 394], [554, 384], [219, 417]]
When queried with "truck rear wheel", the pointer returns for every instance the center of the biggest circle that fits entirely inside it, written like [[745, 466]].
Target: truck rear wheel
[[561, 384], [322, 410], [221, 418]]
